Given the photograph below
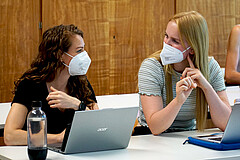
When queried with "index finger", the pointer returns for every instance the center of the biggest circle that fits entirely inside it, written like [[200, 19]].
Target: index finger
[[190, 61], [53, 89]]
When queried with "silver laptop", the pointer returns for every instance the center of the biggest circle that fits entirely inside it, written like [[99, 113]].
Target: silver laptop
[[98, 130], [232, 131]]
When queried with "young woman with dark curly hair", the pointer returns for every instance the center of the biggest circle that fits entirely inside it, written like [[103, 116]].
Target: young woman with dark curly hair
[[57, 77]]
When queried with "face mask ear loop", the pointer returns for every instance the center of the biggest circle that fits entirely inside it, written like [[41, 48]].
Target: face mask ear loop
[[186, 49], [69, 56], [65, 64]]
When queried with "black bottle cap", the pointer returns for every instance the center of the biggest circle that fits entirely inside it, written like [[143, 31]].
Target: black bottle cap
[[36, 103]]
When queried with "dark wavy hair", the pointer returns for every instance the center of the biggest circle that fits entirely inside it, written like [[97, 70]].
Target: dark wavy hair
[[55, 42]]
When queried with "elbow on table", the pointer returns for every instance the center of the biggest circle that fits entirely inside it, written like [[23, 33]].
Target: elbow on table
[[156, 129], [8, 139], [155, 132]]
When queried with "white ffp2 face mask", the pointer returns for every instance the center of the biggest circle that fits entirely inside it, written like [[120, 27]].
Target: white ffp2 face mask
[[79, 64], [170, 55]]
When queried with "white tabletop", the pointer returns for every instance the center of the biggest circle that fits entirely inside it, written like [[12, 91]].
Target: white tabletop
[[147, 147], [120, 100], [4, 109]]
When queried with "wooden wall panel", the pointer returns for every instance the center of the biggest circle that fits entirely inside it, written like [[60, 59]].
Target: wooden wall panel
[[137, 30], [91, 16], [118, 36], [19, 38], [237, 11], [221, 17]]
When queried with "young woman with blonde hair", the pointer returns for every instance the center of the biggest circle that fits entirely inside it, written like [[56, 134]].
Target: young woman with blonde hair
[[178, 83]]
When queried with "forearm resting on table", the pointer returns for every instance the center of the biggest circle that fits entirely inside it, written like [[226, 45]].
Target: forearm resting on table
[[19, 137], [161, 120], [219, 107]]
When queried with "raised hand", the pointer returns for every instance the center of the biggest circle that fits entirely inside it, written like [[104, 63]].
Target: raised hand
[[61, 100], [183, 89], [195, 74]]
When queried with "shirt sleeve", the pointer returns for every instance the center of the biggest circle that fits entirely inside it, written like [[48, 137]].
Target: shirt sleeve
[[151, 77], [23, 94], [216, 76]]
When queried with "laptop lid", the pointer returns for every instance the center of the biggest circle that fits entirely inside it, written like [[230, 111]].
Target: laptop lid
[[98, 130], [232, 131]]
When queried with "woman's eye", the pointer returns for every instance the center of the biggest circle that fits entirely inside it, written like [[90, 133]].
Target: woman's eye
[[175, 41], [79, 51]]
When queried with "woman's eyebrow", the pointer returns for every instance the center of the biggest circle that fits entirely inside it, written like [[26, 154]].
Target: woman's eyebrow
[[80, 47]]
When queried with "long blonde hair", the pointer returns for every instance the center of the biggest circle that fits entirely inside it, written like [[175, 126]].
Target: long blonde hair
[[193, 28]]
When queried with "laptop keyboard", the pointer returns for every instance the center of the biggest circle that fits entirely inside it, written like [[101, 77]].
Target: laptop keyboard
[[56, 145], [216, 139]]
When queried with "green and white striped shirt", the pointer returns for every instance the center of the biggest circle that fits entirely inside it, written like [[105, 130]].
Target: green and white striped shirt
[[151, 81]]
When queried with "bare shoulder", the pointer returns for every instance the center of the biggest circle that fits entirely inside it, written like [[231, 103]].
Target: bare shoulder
[[234, 38], [236, 29]]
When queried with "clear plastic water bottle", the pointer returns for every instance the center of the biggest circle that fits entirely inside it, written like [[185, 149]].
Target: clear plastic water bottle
[[37, 132]]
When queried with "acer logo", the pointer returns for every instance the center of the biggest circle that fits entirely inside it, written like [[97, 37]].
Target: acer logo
[[102, 129]]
